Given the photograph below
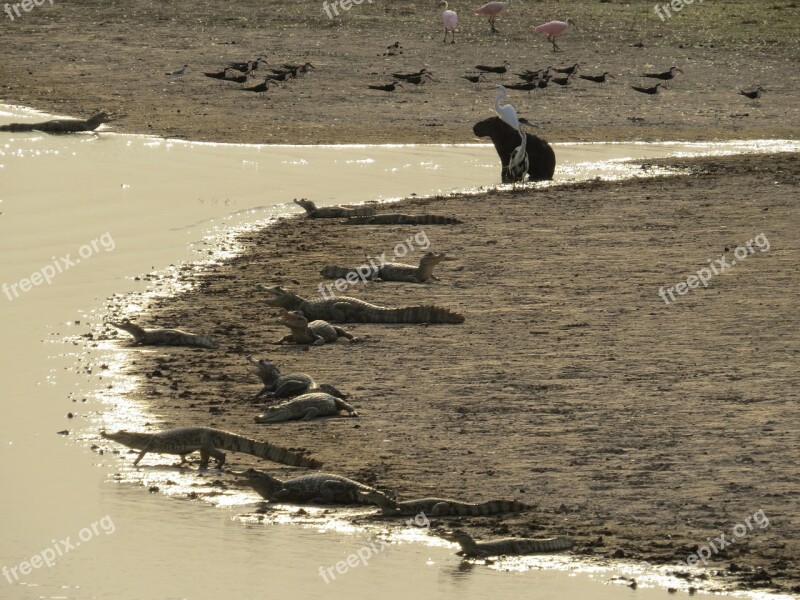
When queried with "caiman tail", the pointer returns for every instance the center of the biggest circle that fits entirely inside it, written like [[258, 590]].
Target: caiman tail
[[413, 314], [265, 450], [493, 507], [332, 272], [399, 219]]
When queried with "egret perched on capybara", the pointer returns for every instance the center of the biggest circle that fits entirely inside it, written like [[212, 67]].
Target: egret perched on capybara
[[450, 21], [541, 158]]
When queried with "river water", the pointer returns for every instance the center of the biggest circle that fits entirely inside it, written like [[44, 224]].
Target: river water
[[80, 217]]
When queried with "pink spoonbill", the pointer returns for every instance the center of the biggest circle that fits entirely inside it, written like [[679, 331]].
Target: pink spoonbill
[[492, 9], [449, 20], [553, 29]]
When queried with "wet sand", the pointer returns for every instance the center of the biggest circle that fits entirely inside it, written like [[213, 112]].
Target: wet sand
[[639, 428], [79, 57]]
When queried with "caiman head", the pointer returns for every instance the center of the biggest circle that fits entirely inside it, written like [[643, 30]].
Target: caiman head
[[307, 205], [274, 414], [280, 297], [266, 370], [429, 261], [266, 485], [292, 319], [381, 500], [131, 439], [126, 325], [460, 537]]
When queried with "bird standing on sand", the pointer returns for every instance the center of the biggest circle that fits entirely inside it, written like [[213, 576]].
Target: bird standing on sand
[[567, 70], [419, 79], [474, 78], [597, 78], [755, 94], [491, 9], [501, 69], [405, 76], [250, 65], [178, 72], [650, 90], [666, 75], [553, 29], [389, 87], [518, 164], [261, 87], [449, 20]]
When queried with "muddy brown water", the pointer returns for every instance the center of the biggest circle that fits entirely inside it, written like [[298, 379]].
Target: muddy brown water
[[81, 217]]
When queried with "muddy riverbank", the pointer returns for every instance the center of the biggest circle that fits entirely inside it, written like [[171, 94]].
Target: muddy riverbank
[[640, 428]]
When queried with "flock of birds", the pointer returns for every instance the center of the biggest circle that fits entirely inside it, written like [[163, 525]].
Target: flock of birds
[[242, 72]]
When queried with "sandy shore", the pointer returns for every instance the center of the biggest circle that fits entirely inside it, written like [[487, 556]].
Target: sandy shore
[[78, 57], [639, 428]]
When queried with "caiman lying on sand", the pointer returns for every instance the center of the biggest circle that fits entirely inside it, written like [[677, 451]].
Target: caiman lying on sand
[[315, 333], [333, 212], [392, 271], [344, 309], [186, 440], [402, 219], [61, 125], [287, 386], [440, 507], [322, 488], [506, 546], [163, 337], [305, 407]]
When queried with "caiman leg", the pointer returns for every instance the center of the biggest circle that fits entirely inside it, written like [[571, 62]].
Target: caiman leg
[[341, 332], [288, 387], [286, 338], [310, 414], [209, 451]]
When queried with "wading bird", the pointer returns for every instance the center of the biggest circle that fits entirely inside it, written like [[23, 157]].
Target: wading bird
[[518, 164], [474, 78], [389, 87], [598, 78], [553, 29], [666, 75], [567, 70], [178, 72], [755, 94], [491, 10], [450, 21], [650, 90], [501, 69]]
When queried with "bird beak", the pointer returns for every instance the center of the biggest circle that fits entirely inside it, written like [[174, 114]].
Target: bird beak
[[610, 75]]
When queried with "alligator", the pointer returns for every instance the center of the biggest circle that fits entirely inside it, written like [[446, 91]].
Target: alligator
[[315, 333], [506, 546], [163, 337], [440, 507], [393, 271], [344, 309], [287, 386], [305, 407], [320, 488], [333, 212], [186, 440], [61, 125], [402, 219]]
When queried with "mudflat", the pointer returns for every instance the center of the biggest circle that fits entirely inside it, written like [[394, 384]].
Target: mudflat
[[641, 427], [80, 57]]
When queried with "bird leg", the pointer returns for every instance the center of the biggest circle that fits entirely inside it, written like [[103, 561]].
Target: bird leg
[[491, 22], [555, 46], [445, 35], [453, 38]]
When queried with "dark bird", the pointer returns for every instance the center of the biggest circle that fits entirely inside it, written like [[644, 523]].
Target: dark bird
[[281, 76], [261, 87], [650, 90], [474, 78], [292, 67], [389, 87], [565, 81], [219, 74], [524, 87], [666, 75], [230, 75], [568, 70], [755, 94], [419, 79], [407, 76], [250, 65], [597, 78], [501, 69]]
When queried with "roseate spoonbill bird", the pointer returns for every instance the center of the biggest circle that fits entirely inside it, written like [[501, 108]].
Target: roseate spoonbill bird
[[474, 78], [449, 20], [597, 78], [541, 158], [553, 29], [389, 87], [650, 90], [491, 9], [666, 75], [406, 76], [501, 69], [178, 72], [755, 94]]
